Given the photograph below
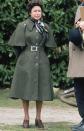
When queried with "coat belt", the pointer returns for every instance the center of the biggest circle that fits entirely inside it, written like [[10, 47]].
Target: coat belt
[[34, 48]]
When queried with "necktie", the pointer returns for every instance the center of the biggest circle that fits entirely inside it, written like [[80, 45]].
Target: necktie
[[39, 27]]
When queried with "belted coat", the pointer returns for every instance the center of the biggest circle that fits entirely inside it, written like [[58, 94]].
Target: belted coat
[[32, 78], [76, 57]]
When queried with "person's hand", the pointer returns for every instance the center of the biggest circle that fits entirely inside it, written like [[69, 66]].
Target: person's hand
[[81, 24]]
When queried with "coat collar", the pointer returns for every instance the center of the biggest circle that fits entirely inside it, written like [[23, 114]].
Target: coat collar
[[30, 24]]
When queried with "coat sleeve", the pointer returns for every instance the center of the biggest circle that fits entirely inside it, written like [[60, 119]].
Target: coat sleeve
[[50, 42], [77, 16], [18, 36]]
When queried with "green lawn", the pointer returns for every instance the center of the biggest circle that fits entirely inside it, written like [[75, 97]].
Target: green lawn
[[48, 127], [5, 101]]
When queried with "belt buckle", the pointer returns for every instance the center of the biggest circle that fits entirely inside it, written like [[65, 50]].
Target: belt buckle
[[34, 48]]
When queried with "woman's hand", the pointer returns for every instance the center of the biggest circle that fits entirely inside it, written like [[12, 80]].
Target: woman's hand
[[81, 24]]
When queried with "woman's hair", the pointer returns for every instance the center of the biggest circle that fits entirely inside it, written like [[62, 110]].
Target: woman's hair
[[33, 3]]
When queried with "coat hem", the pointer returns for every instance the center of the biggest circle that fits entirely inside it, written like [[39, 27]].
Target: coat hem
[[32, 99]]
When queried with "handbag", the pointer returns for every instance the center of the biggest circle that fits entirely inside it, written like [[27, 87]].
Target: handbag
[[76, 36]]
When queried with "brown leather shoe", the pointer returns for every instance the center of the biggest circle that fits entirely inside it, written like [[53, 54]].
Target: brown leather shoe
[[26, 123], [38, 123]]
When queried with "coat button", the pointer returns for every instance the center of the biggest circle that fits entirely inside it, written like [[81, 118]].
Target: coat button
[[36, 37], [24, 24], [36, 64]]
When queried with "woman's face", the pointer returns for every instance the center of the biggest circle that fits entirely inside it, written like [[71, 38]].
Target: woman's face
[[36, 12]]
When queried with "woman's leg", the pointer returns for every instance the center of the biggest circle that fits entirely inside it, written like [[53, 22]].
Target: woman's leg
[[26, 113], [38, 121], [38, 109], [26, 109]]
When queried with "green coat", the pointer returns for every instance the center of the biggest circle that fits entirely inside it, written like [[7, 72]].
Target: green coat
[[32, 79]]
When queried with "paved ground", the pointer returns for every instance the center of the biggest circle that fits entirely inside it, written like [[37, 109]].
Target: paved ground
[[49, 114]]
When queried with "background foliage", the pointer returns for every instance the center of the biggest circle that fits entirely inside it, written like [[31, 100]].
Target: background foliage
[[58, 13]]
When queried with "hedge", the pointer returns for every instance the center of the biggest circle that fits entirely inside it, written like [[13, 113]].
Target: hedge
[[59, 14]]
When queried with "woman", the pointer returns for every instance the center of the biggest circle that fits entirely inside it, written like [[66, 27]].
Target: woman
[[76, 68], [31, 80]]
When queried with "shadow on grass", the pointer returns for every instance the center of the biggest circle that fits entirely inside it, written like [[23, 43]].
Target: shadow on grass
[[50, 126]]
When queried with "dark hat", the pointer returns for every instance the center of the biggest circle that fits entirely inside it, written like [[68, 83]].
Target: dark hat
[[32, 3], [75, 36]]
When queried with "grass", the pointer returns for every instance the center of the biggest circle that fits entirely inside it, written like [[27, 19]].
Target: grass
[[48, 127], [5, 101]]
